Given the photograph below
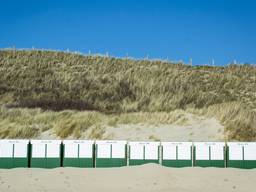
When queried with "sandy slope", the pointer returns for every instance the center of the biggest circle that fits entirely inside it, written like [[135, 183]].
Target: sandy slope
[[203, 129], [144, 178], [189, 127]]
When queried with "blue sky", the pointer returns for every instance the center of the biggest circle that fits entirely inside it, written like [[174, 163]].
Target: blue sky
[[223, 30]]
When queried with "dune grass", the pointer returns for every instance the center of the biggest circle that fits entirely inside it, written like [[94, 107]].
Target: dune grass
[[65, 86], [30, 123]]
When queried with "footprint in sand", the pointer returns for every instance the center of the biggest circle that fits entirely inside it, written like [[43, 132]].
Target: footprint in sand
[[67, 184], [42, 189], [36, 179]]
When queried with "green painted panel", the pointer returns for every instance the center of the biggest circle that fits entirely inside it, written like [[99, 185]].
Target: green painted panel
[[10, 162], [78, 162], [71, 162], [245, 164], [177, 163], [249, 164], [217, 163], [45, 162], [111, 162], [142, 161], [6, 162], [38, 162], [86, 162], [209, 163], [235, 163], [53, 162], [20, 162]]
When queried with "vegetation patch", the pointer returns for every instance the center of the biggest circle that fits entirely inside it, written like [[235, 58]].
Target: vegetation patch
[[65, 86]]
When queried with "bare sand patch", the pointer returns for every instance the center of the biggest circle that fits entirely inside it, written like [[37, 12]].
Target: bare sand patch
[[208, 129]]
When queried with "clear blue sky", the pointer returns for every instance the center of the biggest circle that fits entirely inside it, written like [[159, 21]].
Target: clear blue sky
[[176, 29]]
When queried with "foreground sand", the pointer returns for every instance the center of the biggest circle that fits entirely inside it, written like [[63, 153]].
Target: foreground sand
[[144, 178]]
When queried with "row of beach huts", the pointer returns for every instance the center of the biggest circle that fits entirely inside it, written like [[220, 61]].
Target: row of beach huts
[[110, 153]]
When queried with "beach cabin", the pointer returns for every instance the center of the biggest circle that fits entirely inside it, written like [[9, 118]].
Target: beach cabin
[[241, 155], [177, 154], [209, 154], [110, 153], [45, 153], [14, 153], [144, 152], [78, 153]]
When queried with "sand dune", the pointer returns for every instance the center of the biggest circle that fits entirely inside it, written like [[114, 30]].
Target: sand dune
[[144, 178], [207, 129], [188, 127]]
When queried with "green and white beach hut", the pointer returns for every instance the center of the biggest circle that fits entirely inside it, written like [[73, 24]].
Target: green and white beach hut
[[78, 153], [45, 153], [14, 153], [143, 152], [177, 154], [110, 153], [209, 154], [241, 155]]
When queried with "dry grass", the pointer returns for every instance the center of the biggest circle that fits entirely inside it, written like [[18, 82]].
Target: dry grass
[[30, 123], [240, 124], [239, 120], [130, 91]]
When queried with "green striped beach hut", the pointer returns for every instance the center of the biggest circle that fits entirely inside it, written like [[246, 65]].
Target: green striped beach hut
[[110, 153], [241, 155], [14, 153], [143, 152], [177, 154], [209, 154], [46, 153], [78, 153]]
